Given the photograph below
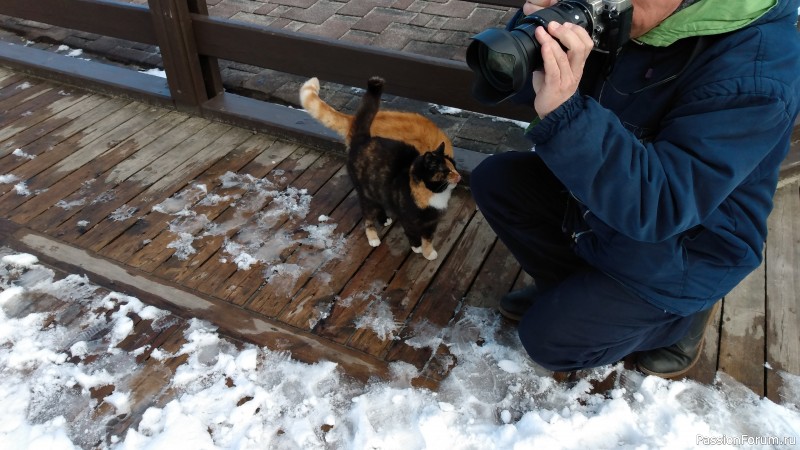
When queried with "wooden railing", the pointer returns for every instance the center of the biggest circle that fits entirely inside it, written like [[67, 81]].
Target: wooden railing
[[191, 41]]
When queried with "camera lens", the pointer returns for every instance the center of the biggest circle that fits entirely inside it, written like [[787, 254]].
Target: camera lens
[[497, 67], [503, 60]]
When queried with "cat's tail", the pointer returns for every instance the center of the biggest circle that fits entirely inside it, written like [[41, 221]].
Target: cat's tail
[[368, 109], [321, 111]]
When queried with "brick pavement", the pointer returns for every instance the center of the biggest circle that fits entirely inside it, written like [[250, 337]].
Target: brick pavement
[[439, 28]]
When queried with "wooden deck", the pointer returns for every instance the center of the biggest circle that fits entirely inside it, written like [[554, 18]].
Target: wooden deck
[[158, 204]]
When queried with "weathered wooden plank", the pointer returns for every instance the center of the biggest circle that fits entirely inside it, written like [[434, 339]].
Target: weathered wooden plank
[[363, 290], [329, 279], [495, 279], [231, 320], [742, 340], [20, 92], [326, 202], [82, 132], [70, 173], [705, 370], [29, 133], [242, 283], [101, 235], [273, 298], [413, 280], [207, 276], [149, 385], [443, 298], [51, 147], [165, 171], [87, 187], [213, 276], [43, 101], [783, 286], [154, 226], [9, 78]]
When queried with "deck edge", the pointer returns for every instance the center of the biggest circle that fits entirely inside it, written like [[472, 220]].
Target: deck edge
[[230, 319]]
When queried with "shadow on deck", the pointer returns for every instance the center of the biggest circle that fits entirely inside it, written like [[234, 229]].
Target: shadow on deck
[[261, 236]]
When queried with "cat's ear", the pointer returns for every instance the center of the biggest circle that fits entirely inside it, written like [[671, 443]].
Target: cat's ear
[[440, 150]]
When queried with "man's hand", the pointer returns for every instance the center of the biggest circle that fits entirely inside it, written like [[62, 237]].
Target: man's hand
[[562, 70], [531, 6]]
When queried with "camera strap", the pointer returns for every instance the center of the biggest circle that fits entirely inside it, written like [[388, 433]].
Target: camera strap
[[701, 43]]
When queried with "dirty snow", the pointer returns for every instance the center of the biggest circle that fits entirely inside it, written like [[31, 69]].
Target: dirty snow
[[248, 397]]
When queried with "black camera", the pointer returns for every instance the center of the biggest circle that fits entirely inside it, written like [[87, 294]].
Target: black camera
[[503, 60]]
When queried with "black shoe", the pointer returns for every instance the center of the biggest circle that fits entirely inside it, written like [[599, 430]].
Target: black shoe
[[677, 359], [514, 304]]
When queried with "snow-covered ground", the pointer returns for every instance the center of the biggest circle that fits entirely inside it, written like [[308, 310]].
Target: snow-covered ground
[[495, 398]]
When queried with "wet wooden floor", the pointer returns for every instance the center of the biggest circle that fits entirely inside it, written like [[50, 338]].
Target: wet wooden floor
[[262, 237]]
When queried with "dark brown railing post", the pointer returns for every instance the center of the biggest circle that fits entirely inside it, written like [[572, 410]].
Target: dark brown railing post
[[208, 64], [192, 80]]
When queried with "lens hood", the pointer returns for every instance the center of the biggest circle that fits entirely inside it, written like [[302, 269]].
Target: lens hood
[[514, 46]]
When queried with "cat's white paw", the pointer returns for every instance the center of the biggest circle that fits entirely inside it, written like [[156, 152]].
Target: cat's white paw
[[374, 242], [431, 256], [388, 222], [416, 249]]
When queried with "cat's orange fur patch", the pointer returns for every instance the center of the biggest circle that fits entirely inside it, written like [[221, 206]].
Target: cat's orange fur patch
[[409, 127]]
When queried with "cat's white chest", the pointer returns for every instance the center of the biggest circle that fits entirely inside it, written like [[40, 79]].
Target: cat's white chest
[[439, 200]]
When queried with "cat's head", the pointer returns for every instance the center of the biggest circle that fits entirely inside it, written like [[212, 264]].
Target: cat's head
[[436, 170]]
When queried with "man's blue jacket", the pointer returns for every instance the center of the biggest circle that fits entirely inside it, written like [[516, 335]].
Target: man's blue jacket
[[673, 157]]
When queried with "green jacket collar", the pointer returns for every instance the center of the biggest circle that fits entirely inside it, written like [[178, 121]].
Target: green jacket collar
[[707, 17]]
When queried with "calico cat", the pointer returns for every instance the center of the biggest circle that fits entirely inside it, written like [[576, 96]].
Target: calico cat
[[409, 127], [394, 180]]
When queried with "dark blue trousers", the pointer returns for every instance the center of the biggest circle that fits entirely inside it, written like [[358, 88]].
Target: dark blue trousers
[[581, 318]]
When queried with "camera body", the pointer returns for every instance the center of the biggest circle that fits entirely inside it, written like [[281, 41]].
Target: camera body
[[503, 60]]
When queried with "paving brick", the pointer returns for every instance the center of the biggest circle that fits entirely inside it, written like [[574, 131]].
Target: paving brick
[[247, 17], [228, 8], [398, 35], [333, 28], [479, 130], [418, 5], [452, 8], [441, 36], [480, 19], [279, 22], [459, 38], [267, 81], [360, 37], [266, 8], [379, 19], [293, 25], [144, 58], [402, 4], [296, 3], [423, 20], [361, 8], [319, 12]]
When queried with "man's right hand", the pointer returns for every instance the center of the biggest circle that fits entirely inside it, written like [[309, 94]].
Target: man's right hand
[[562, 69]]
